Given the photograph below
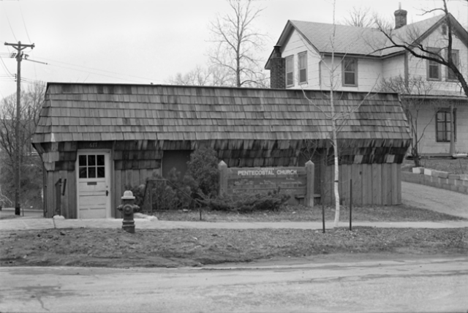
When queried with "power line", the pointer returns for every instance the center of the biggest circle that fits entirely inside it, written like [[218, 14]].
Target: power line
[[24, 23], [88, 69], [8, 19], [84, 70], [5, 67]]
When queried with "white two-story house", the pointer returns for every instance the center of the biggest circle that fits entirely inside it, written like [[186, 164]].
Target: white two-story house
[[363, 61]]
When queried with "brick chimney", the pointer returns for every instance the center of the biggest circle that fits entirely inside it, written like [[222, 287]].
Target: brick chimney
[[400, 18], [277, 69]]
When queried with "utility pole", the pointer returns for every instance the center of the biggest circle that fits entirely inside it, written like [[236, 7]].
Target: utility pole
[[19, 47]]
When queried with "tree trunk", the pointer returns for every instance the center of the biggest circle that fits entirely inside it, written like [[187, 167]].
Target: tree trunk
[[335, 152], [334, 126], [336, 180]]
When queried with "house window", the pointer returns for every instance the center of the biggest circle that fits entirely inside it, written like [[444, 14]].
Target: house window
[[433, 68], [456, 60], [349, 72], [444, 125], [289, 70], [303, 67]]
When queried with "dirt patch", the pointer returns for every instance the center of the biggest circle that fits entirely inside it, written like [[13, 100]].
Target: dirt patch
[[196, 247]]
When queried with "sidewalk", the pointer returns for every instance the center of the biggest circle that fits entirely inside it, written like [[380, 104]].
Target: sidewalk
[[142, 223], [421, 196]]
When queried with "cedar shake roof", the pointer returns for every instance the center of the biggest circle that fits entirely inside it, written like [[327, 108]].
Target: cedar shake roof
[[108, 112], [370, 42]]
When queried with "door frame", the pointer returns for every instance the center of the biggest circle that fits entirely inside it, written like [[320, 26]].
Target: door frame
[[108, 168]]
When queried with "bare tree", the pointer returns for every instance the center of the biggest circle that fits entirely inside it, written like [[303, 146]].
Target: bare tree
[[201, 76], [360, 17], [410, 43], [31, 104], [413, 106], [443, 55], [237, 42], [339, 115]]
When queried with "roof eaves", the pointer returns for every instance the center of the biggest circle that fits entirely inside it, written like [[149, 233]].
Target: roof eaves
[[434, 97], [391, 55], [430, 30], [305, 37], [462, 32], [456, 26], [360, 55], [284, 33], [284, 37]]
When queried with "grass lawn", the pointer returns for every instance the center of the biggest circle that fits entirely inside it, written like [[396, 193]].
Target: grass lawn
[[196, 247], [400, 213]]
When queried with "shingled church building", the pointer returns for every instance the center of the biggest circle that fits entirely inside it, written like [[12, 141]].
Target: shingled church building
[[100, 138]]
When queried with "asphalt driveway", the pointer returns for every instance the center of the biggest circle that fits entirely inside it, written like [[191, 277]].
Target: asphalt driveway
[[435, 199]]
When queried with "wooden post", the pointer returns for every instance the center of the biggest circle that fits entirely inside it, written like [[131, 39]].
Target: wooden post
[[58, 197], [322, 200], [150, 197], [63, 202], [350, 204], [323, 217], [310, 172], [222, 167]]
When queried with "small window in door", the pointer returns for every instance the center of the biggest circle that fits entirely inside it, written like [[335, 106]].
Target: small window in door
[[91, 166]]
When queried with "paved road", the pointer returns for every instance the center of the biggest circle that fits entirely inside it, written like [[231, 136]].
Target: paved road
[[435, 199], [414, 285]]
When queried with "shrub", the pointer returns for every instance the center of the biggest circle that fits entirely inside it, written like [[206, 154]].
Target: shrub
[[171, 193], [200, 185], [138, 193], [246, 203], [181, 188], [203, 169], [163, 197], [31, 182], [176, 192]]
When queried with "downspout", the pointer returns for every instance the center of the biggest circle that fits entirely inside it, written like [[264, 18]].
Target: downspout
[[406, 72], [452, 130], [320, 73]]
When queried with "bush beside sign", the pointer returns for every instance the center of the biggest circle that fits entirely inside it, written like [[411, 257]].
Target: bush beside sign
[[297, 182]]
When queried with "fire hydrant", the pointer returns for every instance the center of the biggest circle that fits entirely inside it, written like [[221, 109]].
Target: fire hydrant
[[128, 208]]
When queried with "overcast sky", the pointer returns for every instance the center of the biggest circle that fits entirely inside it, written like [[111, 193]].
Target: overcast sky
[[137, 41]]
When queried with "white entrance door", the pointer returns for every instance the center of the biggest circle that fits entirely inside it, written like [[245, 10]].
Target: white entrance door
[[93, 185]]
